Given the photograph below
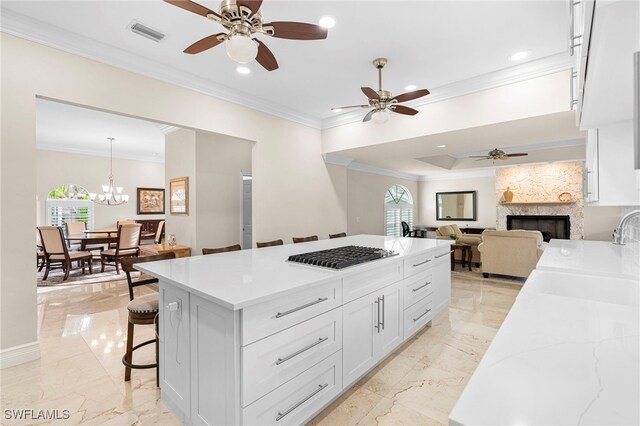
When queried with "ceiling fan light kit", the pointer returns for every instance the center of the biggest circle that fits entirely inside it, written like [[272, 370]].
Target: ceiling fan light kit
[[242, 19], [498, 154], [382, 101]]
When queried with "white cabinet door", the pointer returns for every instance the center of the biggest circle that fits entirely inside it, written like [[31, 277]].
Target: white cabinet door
[[359, 318], [389, 333], [591, 167]]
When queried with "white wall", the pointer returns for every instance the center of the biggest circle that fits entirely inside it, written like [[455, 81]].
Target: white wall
[[60, 168], [599, 222], [287, 158], [366, 192], [486, 205]]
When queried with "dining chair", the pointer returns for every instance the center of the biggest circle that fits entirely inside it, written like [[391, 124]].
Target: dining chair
[[235, 247], [40, 257], [340, 235], [159, 233], [78, 228], [407, 232], [297, 240], [57, 255], [270, 243], [143, 310], [126, 246]]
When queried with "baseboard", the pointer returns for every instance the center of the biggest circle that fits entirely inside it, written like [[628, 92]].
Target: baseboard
[[17, 355]]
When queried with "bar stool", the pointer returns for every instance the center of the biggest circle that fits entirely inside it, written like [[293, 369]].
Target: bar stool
[[143, 310]]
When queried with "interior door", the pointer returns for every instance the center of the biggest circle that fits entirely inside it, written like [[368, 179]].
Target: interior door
[[358, 321], [391, 318], [246, 211]]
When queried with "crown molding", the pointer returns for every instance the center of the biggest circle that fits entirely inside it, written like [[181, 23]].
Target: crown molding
[[96, 153], [359, 167], [337, 160], [515, 74], [459, 175], [49, 35], [168, 129]]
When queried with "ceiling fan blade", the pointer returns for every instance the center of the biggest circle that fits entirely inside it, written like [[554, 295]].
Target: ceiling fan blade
[[193, 7], [478, 156], [401, 109], [266, 58], [297, 30], [252, 5], [350, 106], [204, 44], [411, 95], [370, 93], [369, 115], [485, 158], [518, 154]]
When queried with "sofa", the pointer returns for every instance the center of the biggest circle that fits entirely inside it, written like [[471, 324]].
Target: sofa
[[444, 233], [513, 253]]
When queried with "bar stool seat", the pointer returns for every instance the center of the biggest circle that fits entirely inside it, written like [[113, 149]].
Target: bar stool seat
[[144, 305]]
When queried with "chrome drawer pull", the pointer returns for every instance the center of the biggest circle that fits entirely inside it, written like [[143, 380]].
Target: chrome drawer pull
[[290, 311], [443, 254], [281, 415], [306, 348], [421, 263], [422, 286], [420, 316]]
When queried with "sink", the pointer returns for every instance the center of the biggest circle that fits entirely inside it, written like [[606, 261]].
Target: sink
[[597, 288]]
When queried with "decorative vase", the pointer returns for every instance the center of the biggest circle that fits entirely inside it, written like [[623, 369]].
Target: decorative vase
[[565, 197], [508, 196]]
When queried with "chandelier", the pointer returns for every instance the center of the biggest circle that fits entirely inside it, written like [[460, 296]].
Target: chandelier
[[111, 195]]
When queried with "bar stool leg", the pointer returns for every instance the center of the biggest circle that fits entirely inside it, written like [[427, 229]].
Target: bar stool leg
[[129, 354]]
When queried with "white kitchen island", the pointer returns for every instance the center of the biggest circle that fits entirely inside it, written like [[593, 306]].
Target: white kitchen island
[[249, 338]]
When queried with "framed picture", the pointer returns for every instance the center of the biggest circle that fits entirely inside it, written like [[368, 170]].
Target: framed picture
[[150, 200], [179, 196]]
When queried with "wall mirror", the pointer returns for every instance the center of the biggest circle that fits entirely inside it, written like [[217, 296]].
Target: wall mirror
[[459, 205]]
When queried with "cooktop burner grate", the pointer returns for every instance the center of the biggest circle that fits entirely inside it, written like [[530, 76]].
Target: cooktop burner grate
[[341, 257]]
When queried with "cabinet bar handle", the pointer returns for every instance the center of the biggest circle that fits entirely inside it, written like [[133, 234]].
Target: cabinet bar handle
[[383, 308], [443, 254], [377, 326], [420, 316], [282, 414], [422, 286], [421, 263], [296, 353], [290, 311]]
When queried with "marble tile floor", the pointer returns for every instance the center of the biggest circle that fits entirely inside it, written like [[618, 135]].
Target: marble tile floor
[[82, 333]]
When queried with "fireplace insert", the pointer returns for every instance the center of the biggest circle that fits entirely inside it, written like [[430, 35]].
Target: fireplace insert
[[558, 227]]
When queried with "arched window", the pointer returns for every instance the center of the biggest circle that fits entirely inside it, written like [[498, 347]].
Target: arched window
[[69, 203], [398, 207]]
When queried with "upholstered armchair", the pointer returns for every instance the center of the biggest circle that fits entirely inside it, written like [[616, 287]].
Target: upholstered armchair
[[127, 246], [513, 253], [444, 233]]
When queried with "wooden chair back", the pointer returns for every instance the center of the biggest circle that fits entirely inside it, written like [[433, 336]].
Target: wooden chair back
[[129, 236], [270, 243], [159, 232], [340, 235], [125, 222], [127, 265], [235, 247], [52, 240], [297, 240]]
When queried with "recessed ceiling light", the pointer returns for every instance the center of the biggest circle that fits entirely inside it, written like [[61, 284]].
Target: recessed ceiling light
[[518, 56], [441, 146], [243, 70], [327, 22], [336, 109], [410, 87]]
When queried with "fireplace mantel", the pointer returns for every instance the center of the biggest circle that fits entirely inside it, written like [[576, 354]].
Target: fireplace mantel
[[537, 203]]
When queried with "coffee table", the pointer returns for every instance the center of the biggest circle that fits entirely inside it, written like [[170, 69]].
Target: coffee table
[[465, 251]]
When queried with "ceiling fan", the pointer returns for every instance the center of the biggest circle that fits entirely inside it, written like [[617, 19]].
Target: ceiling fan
[[242, 19], [383, 101], [498, 154]]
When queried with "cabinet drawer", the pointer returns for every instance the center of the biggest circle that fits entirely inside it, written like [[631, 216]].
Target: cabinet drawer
[[416, 316], [267, 318], [417, 287], [366, 282], [272, 361], [296, 401], [417, 264]]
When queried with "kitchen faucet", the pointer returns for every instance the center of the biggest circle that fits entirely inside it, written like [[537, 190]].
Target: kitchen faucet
[[618, 234]]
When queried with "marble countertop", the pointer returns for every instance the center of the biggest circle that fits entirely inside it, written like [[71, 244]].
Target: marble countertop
[[242, 278], [591, 258], [567, 353]]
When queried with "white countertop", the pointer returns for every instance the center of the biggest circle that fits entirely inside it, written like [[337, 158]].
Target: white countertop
[[590, 258], [567, 353], [242, 278]]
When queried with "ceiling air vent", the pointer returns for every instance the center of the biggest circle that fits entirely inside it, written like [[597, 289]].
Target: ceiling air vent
[[147, 32]]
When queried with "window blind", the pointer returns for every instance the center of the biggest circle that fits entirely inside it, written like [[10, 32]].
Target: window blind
[[60, 212]]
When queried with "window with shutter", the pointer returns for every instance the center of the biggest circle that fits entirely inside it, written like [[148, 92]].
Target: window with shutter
[[69, 203], [398, 207]]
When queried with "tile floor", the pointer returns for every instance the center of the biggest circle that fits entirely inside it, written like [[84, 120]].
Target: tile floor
[[83, 329]]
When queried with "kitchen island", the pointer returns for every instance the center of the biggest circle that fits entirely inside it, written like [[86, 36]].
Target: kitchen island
[[250, 338]]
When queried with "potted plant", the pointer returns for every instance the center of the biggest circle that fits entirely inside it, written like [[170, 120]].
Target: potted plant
[[454, 237]]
